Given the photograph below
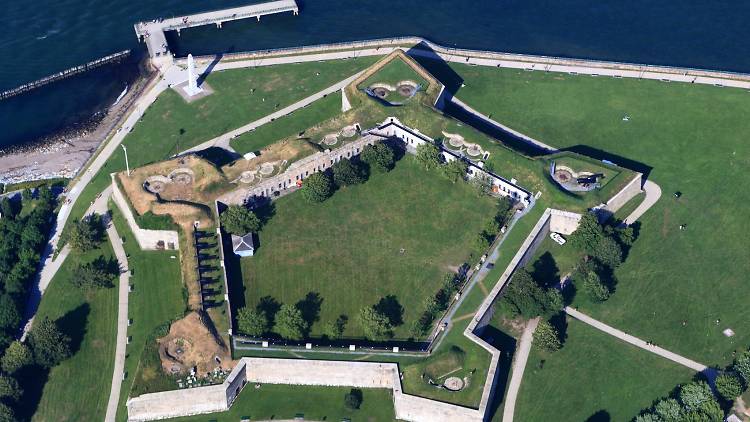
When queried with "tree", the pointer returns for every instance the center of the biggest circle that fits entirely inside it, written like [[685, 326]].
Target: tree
[[347, 173], [48, 344], [317, 187], [728, 386], [239, 220], [379, 157], [588, 234], [528, 299], [482, 183], [289, 323], [86, 234], [10, 317], [8, 209], [353, 399], [26, 194], [647, 417], [6, 414], [742, 365], [626, 235], [335, 329], [16, 356], [608, 252], [251, 322], [594, 287], [376, 325], [546, 337], [428, 155], [455, 170], [669, 410], [9, 388], [99, 273], [694, 394]]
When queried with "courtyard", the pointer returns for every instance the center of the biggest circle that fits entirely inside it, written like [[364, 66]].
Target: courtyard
[[392, 238]]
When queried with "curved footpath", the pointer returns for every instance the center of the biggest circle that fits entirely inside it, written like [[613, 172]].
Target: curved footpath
[[653, 193]]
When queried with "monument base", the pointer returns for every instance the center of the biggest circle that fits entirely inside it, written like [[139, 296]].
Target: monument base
[[185, 92]]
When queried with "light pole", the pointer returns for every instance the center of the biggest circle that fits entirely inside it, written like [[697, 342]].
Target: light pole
[[127, 165]]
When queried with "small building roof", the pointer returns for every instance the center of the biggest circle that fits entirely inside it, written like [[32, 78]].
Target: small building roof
[[242, 243]]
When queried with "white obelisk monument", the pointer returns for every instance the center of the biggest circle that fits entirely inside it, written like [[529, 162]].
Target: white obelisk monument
[[192, 86]]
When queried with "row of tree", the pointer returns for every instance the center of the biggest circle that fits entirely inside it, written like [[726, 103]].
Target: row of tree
[[696, 402], [379, 158], [604, 248], [23, 237]]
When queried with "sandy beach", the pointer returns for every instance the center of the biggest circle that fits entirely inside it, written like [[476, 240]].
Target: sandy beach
[[64, 154]]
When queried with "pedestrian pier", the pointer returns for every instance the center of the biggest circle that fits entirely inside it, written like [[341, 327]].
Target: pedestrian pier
[[152, 32]]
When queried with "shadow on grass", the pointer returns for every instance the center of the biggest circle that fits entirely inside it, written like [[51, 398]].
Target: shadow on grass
[[73, 324], [32, 380], [392, 309], [599, 416], [310, 307], [545, 271], [507, 346]]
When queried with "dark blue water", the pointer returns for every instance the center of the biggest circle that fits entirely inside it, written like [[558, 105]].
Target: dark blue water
[[41, 37]]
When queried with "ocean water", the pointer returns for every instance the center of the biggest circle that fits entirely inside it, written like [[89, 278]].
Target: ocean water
[[41, 37]]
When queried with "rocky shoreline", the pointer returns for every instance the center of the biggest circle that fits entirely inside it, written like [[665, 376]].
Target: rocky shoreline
[[63, 154]]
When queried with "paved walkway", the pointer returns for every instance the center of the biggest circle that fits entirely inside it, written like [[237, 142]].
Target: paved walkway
[[122, 310], [653, 193], [519, 365], [635, 341], [222, 141]]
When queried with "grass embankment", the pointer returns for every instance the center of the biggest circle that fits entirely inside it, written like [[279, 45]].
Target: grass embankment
[[594, 374], [157, 297], [89, 318], [285, 402], [694, 137], [346, 253], [171, 125]]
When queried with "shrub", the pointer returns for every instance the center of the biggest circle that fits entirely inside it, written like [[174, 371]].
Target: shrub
[[742, 365], [728, 386], [347, 173], [9, 388], [289, 323], [428, 155], [353, 399], [48, 344], [251, 322], [608, 252], [669, 410], [376, 325], [335, 329], [317, 187], [694, 394], [455, 170], [546, 337], [99, 273], [379, 157], [239, 220], [16, 356], [86, 234], [594, 287], [588, 234]]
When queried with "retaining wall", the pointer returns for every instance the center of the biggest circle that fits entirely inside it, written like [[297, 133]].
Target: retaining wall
[[147, 239], [633, 188]]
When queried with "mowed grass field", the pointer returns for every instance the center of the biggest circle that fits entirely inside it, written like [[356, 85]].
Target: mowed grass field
[[171, 125], [156, 298], [78, 388], [694, 137], [347, 249], [285, 402], [594, 374]]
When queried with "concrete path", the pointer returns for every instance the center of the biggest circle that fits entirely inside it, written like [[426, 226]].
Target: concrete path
[[653, 193], [519, 365], [222, 141], [122, 318], [635, 341]]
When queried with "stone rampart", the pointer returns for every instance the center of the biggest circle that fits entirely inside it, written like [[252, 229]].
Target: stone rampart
[[147, 239], [633, 188]]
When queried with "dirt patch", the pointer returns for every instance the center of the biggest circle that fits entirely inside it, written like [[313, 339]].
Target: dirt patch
[[189, 345]]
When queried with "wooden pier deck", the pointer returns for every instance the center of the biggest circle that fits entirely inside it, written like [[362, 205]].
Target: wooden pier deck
[[152, 32]]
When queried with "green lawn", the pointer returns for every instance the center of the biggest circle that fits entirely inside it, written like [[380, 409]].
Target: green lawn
[[594, 373], [285, 402], [171, 125], [346, 250], [695, 139], [290, 125], [89, 318], [156, 298], [392, 73]]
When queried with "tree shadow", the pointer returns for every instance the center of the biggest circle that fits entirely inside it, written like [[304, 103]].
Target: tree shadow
[[310, 307], [392, 309], [545, 271], [269, 306], [560, 322], [73, 324], [599, 416], [32, 379]]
